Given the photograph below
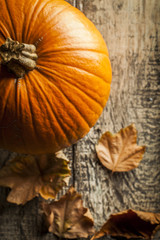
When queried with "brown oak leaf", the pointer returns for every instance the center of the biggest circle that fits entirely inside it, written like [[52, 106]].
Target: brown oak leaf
[[131, 224], [28, 176], [67, 218], [120, 152]]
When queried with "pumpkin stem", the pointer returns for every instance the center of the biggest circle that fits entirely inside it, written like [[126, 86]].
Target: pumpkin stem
[[18, 57]]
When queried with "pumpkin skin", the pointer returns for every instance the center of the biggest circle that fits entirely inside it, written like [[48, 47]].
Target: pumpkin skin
[[58, 102]]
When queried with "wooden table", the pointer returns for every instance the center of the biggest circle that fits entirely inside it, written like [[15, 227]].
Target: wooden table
[[130, 28]]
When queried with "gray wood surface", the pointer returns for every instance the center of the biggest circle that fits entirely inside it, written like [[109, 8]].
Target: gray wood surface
[[130, 28]]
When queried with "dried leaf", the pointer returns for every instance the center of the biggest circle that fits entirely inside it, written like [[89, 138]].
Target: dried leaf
[[67, 218], [131, 224], [29, 176], [119, 152]]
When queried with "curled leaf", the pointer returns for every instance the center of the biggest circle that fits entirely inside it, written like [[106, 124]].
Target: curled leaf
[[29, 176], [131, 224], [120, 152], [67, 218]]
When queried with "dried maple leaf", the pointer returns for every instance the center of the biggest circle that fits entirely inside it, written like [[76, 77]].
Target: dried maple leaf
[[131, 224], [119, 152], [67, 218], [29, 176]]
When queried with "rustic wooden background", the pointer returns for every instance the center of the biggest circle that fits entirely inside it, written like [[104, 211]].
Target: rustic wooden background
[[130, 28]]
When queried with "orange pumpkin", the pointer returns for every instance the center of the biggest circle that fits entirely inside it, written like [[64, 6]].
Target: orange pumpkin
[[55, 75]]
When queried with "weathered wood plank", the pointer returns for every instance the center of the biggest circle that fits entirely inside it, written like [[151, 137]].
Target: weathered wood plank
[[130, 29]]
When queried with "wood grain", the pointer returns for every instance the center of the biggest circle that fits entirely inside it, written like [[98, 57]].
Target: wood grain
[[131, 30]]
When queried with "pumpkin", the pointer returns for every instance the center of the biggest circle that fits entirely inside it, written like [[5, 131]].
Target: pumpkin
[[55, 75]]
